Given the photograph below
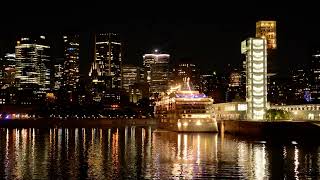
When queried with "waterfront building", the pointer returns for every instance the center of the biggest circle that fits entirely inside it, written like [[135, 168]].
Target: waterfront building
[[255, 50]]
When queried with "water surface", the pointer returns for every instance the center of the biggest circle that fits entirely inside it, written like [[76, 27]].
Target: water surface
[[142, 153]]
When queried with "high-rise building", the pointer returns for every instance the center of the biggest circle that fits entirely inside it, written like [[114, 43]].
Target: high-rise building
[[255, 50], [71, 62], [184, 70], [58, 76], [7, 71], [156, 67], [267, 30], [130, 76], [107, 61], [32, 60], [212, 84], [315, 75], [300, 84]]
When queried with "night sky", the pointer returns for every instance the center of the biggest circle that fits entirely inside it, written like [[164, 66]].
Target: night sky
[[208, 36]]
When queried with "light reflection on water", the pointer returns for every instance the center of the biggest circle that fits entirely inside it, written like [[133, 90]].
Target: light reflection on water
[[141, 153]]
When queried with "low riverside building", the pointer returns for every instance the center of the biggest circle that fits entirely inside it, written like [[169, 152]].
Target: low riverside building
[[230, 111], [301, 112], [238, 111]]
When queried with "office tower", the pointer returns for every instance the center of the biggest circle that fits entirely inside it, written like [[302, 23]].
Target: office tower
[[315, 75], [7, 71], [235, 88], [71, 61], [130, 75], [33, 62], [212, 85], [267, 30], [255, 50], [58, 71], [107, 61], [184, 70], [156, 71], [300, 84]]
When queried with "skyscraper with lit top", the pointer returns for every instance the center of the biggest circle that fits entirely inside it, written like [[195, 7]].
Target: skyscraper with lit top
[[107, 59], [32, 62], [157, 71]]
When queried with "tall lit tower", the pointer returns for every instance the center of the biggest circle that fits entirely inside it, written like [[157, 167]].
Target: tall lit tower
[[255, 50], [32, 60], [267, 30], [71, 62], [157, 71], [107, 60]]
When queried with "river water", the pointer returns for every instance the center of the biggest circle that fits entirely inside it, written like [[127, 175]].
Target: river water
[[142, 153]]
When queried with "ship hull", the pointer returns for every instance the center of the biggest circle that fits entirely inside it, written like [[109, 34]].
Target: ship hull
[[204, 127]]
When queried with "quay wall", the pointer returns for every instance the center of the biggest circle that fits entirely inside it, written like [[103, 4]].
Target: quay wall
[[269, 129], [75, 123]]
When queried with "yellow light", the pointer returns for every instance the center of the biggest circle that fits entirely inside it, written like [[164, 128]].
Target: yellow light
[[179, 124], [198, 123], [185, 124]]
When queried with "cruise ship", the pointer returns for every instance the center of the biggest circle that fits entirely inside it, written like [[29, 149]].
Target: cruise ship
[[183, 109]]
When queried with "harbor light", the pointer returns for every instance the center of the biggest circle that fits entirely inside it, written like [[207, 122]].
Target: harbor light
[[198, 123]]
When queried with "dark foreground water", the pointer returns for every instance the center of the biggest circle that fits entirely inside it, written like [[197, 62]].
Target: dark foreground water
[[140, 153]]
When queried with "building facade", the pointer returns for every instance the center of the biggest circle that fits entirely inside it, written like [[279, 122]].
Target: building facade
[[268, 31], [71, 62], [107, 60], [255, 50], [184, 70], [156, 69], [33, 62], [315, 75], [130, 76]]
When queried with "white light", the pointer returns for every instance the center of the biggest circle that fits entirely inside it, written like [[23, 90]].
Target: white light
[[185, 124], [179, 124], [198, 123]]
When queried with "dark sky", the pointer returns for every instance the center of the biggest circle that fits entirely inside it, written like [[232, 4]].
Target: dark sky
[[208, 35]]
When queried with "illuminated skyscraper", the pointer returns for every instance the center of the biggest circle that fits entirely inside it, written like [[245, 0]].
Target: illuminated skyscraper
[[7, 71], [157, 71], [267, 30], [107, 60], [315, 75], [130, 76], [190, 70], [32, 62], [71, 61], [255, 50]]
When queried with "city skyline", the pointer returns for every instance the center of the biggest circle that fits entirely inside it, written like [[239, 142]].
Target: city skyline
[[205, 40]]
